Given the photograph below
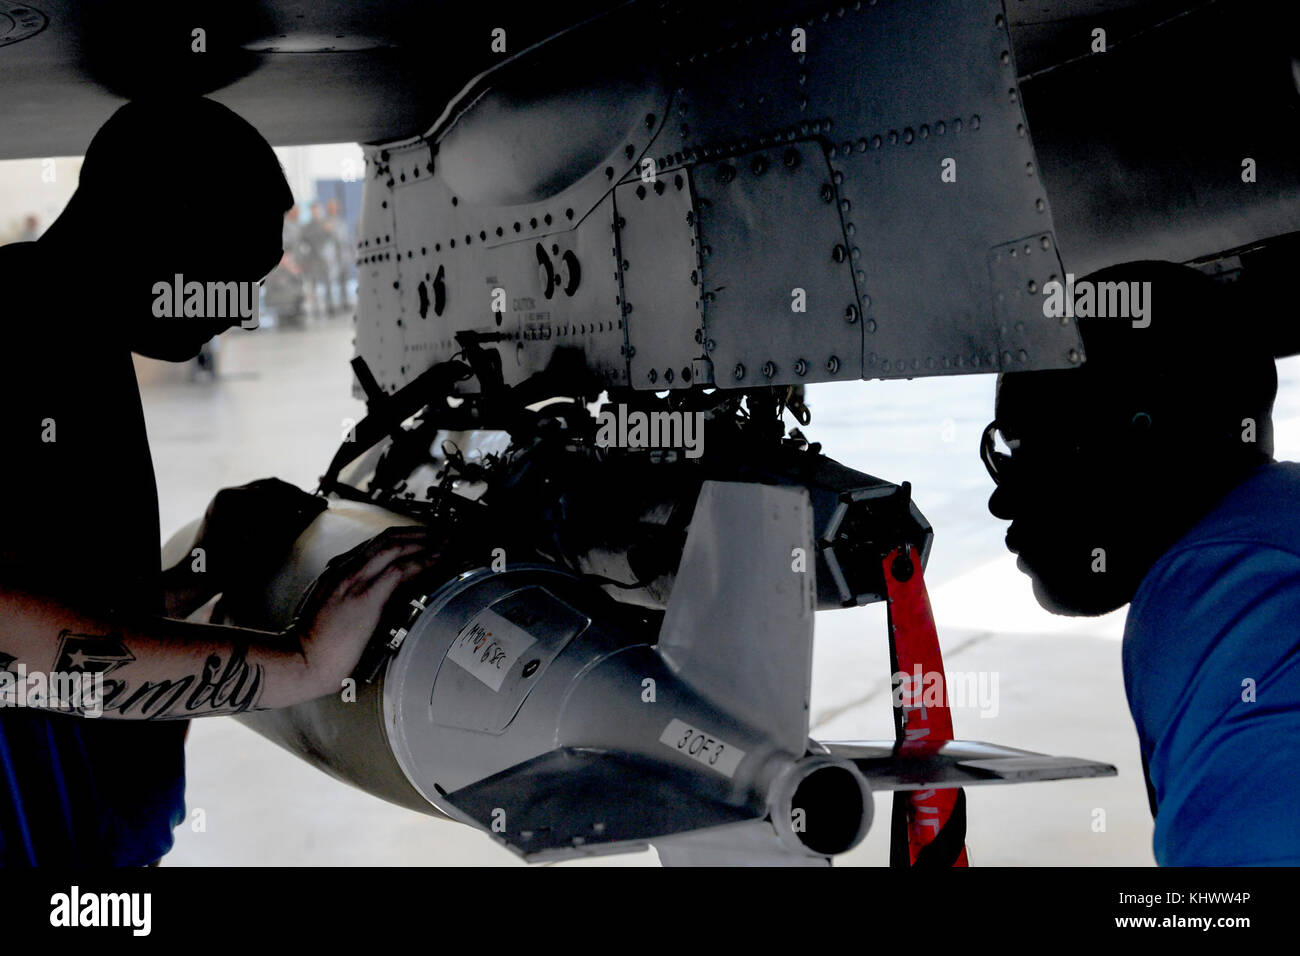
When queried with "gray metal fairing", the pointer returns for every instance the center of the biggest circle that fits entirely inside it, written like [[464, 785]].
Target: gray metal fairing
[[733, 214], [1139, 150]]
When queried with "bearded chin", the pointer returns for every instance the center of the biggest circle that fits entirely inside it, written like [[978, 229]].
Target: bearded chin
[[1073, 595]]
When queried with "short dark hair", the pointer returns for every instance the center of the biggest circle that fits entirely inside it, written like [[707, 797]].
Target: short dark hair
[[165, 146], [1194, 369], [1202, 360]]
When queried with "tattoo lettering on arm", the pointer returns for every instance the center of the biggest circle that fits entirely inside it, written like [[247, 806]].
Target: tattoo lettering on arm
[[231, 687], [227, 684]]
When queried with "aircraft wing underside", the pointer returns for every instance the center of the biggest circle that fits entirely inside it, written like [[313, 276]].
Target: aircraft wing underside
[[654, 191]]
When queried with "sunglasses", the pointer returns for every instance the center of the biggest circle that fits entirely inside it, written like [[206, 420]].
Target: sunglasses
[[997, 461], [1003, 455], [997, 449]]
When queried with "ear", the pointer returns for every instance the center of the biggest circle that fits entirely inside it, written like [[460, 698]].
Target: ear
[[1142, 438]]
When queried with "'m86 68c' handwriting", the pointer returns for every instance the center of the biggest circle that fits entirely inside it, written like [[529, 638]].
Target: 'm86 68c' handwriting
[[488, 647]]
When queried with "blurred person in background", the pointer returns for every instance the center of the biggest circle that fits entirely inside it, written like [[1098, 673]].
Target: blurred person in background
[[291, 231], [342, 265], [283, 291], [31, 230], [317, 252]]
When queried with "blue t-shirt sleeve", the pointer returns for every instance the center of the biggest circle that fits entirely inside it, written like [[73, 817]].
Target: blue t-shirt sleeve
[[1212, 669]]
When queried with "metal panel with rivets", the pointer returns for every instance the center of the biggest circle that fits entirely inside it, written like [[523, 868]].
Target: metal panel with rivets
[[452, 267], [779, 300], [500, 221], [853, 178], [1020, 271], [660, 268], [916, 108]]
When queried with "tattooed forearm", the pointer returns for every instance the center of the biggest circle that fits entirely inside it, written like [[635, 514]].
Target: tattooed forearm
[[229, 686], [139, 677]]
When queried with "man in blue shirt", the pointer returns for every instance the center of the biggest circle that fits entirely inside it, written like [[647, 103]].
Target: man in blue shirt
[[1147, 476]]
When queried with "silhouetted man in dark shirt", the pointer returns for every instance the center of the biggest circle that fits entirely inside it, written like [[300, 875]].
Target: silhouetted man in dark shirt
[[81, 589]]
